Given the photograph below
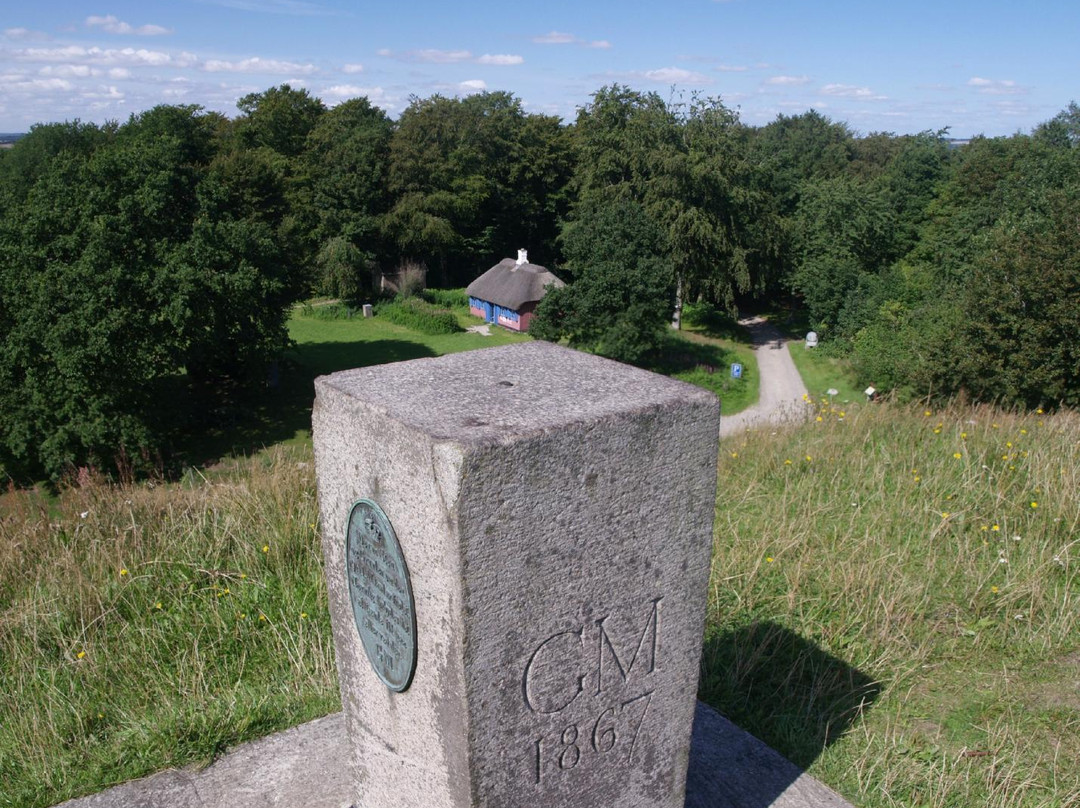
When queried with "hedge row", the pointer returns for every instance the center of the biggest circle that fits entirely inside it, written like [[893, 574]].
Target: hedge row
[[418, 314]]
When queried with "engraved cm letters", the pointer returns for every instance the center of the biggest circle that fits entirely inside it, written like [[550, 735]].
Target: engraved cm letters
[[559, 667]]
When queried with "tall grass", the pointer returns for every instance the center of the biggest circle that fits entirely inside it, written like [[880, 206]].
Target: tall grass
[[150, 626], [866, 618], [896, 602]]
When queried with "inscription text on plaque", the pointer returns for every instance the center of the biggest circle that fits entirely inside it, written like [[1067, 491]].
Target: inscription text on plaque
[[381, 595]]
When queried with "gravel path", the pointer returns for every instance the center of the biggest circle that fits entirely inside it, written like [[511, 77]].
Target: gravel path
[[781, 392]]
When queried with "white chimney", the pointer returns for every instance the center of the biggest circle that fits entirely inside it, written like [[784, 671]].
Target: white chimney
[[523, 257]]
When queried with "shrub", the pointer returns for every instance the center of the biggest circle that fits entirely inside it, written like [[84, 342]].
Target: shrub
[[411, 279], [419, 315], [447, 298], [331, 311]]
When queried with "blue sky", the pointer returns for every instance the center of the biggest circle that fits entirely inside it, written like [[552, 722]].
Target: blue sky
[[990, 67]]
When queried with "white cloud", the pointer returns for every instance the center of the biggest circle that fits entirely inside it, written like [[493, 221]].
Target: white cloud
[[670, 75], [343, 92], [996, 87], [446, 57], [68, 71], [473, 86], [353, 68], [788, 81], [23, 33], [849, 91], [563, 38], [114, 26], [257, 64], [132, 57], [119, 73], [439, 57], [555, 38], [17, 83], [731, 68], [500, 59]]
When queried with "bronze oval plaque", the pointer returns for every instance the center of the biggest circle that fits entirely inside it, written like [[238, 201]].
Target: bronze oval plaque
[[381, 595]]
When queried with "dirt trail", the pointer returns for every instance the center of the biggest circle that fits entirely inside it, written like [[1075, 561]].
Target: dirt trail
[[781, 392]]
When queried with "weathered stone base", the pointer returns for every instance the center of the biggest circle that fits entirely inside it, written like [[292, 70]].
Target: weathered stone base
[[308, 767]]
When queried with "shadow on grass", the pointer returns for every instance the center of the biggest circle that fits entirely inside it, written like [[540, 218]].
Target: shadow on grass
[[277, 413], [719, 327], [677, 355], [783, 689]]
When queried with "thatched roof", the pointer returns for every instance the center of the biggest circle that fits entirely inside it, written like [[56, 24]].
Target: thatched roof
[[511, 284]]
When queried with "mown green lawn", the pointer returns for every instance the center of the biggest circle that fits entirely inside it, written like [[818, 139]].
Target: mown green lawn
[[821, 372], [326, 346], [711, 367]]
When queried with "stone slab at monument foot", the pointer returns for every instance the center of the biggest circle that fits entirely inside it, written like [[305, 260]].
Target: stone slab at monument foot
[[517, 546]]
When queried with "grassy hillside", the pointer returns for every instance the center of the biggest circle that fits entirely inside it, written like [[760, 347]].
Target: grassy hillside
[[893, 599], [893, 605], [149, 626]]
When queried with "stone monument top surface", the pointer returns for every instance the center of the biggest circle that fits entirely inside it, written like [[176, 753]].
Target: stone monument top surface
[[499, 394]]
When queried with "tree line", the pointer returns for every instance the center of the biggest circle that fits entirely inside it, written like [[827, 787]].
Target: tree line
[[147, 268]]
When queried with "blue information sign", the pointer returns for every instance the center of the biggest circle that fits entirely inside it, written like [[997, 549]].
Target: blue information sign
[[736, 370]]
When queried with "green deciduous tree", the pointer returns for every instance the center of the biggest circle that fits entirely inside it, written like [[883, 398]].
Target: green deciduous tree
[[474, 179], [843, 230], [133, 271], [1023, 306], [621, 299], [345, 163], [279, 118], [686, 164]]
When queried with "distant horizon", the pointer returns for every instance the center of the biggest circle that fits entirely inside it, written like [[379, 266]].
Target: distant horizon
[[985, 68]]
